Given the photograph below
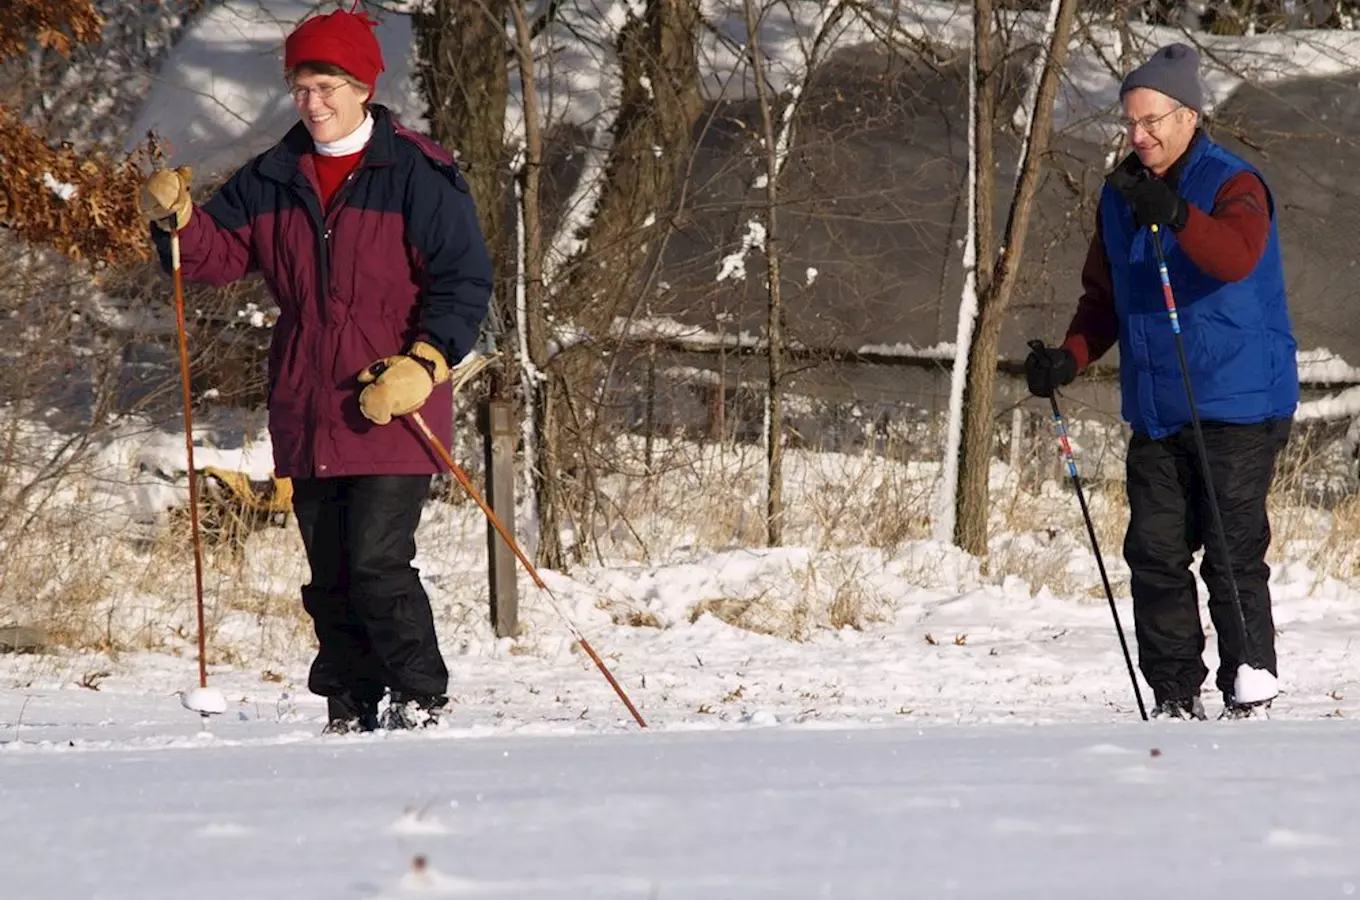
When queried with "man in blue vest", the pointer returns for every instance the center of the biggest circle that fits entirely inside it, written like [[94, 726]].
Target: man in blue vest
[[1216, 219]]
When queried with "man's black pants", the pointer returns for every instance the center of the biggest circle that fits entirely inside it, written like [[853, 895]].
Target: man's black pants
[[372, 616], [1169, 520]]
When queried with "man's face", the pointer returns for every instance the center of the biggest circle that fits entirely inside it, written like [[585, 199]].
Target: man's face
[[1159, 128]]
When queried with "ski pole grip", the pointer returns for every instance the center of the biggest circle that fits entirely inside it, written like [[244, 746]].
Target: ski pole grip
[[1038, 346]]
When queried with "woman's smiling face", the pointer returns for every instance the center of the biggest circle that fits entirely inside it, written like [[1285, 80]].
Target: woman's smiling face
[[330, 106]]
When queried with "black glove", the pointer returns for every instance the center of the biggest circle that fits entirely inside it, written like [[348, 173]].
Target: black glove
[[1049, 368], [1154, 201]]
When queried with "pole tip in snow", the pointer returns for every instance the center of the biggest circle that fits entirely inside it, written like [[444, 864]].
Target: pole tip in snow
[[206, 701], [1254, 685]]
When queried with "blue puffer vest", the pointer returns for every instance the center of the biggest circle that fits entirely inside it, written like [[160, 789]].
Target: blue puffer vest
[[1238, 339]]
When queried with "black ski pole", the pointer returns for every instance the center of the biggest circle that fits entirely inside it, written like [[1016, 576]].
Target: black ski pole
[[1066, 445], [1200, 449]]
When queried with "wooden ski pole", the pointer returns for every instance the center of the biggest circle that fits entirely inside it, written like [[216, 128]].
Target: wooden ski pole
[[189, 453], [495, 521]]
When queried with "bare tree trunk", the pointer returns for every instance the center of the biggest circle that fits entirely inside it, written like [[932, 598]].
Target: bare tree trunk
[[530, 312], [651, 143], [660, 103], [970, 519], [463, 72], [774, 330], [977, 263], [995, 295]]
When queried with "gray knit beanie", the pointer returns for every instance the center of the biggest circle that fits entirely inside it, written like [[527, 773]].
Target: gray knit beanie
[[1173, 70]]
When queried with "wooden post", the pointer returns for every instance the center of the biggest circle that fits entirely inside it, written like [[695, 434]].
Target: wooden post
[[1017, 437], [717, 403], [649, 420], [498, 435]]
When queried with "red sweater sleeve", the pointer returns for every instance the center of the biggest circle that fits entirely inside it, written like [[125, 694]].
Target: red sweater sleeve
[[1095, 327], [1225, 243], [1228, 242]]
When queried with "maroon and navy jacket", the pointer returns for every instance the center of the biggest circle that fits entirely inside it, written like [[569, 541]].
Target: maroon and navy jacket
[[398, 257]]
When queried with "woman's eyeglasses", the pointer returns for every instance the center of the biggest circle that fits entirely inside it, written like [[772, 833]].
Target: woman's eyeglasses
[[322, 91]]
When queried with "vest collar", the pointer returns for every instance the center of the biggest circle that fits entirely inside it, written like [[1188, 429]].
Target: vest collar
[[1198, 142]]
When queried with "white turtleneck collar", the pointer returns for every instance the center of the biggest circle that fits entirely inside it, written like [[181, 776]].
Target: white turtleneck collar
[[353, 142]]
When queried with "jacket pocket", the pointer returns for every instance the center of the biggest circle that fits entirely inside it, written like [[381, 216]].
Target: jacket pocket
[[356, 349]]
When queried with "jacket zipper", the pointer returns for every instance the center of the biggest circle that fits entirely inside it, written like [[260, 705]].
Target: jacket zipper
[[328, 217]]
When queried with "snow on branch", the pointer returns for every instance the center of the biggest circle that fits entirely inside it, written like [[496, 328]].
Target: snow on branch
[[1322, 366], [826, 29], [583, 203], [733, 265], [1024, 115]]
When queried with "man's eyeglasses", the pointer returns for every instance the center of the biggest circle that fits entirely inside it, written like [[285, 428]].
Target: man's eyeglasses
[[322, 91], [1150, 124]]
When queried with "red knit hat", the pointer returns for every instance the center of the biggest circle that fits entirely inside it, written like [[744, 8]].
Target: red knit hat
[[342, 39]]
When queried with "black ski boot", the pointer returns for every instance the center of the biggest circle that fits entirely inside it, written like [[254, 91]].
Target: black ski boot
[[1234, 710], [1179, 708], [407, 711], [346, 715]]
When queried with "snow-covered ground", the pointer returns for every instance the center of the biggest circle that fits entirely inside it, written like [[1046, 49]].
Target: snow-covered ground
[[830, 719], [1210, 811], [860, 764], [972, 737], [843, 721]]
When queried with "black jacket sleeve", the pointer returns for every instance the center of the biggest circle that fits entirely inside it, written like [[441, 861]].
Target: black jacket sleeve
[[442, 229]]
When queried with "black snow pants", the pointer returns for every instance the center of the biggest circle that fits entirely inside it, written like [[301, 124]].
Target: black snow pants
[[372, 617], [1169, 520]]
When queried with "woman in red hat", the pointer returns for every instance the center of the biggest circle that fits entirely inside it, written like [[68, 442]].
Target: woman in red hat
[[368, 239]]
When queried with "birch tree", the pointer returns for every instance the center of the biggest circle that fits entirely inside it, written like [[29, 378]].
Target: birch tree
[[530, 313], [466, 54], [997, 270], [977, 247]]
